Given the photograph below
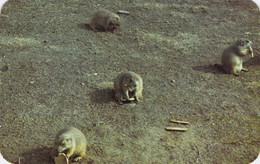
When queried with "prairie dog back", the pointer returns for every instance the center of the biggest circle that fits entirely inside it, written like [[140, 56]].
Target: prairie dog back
[[104, 20]]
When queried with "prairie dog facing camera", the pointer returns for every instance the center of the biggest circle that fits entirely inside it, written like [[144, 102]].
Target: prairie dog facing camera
[[233, 56], [104, 20], [72, 142], [128, 86]]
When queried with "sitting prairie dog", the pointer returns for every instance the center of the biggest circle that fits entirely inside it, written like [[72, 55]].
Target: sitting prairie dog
[[104, 20], [128, 86], [233, 56], [72, 142]]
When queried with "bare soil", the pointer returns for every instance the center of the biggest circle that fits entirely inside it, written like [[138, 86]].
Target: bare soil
[[55, 73]]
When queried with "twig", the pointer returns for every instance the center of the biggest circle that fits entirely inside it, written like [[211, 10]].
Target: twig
[[122, 12], [180, 122], [176, 129]]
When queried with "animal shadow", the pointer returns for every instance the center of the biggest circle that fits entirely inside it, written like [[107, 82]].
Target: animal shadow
[[209, 69], [84, 26], [42, 156], [101, 96], [252, 61], [39, 156]]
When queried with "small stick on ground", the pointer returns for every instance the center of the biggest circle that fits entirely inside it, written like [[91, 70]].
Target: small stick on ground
[[122, 12], [180, 122], [176, 129]]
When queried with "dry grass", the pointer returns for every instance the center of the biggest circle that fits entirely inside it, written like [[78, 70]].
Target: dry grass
[[61, 74]]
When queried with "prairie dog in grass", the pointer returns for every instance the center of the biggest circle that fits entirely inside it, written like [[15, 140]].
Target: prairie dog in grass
[[72, 142], [234, 55], [104, 20], [128, 86]]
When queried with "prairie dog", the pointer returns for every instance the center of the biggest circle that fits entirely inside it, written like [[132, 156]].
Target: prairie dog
[[72, 142], [233, 56], [104, 20], [128, 86]]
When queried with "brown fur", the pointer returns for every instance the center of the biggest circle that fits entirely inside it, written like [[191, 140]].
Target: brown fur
[[104, 20], [128, 86], [72, 142], [233, 56]]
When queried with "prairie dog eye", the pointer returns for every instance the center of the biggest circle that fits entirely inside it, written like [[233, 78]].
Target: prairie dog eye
[[247, 41], [242, 42]]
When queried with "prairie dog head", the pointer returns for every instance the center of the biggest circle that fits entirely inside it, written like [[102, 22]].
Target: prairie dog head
[[130, 83], [113, 23], [64, 143], [244, 46], [243, 42]]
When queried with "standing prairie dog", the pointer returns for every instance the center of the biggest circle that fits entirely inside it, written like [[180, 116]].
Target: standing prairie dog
[[128, 86], [72, 142], [233, 56], [104, 20]]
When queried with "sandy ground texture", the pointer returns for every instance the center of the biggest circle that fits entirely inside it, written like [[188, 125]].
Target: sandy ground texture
[[55, 73]]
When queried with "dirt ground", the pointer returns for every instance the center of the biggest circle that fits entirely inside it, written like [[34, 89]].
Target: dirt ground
[[56, 73]]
